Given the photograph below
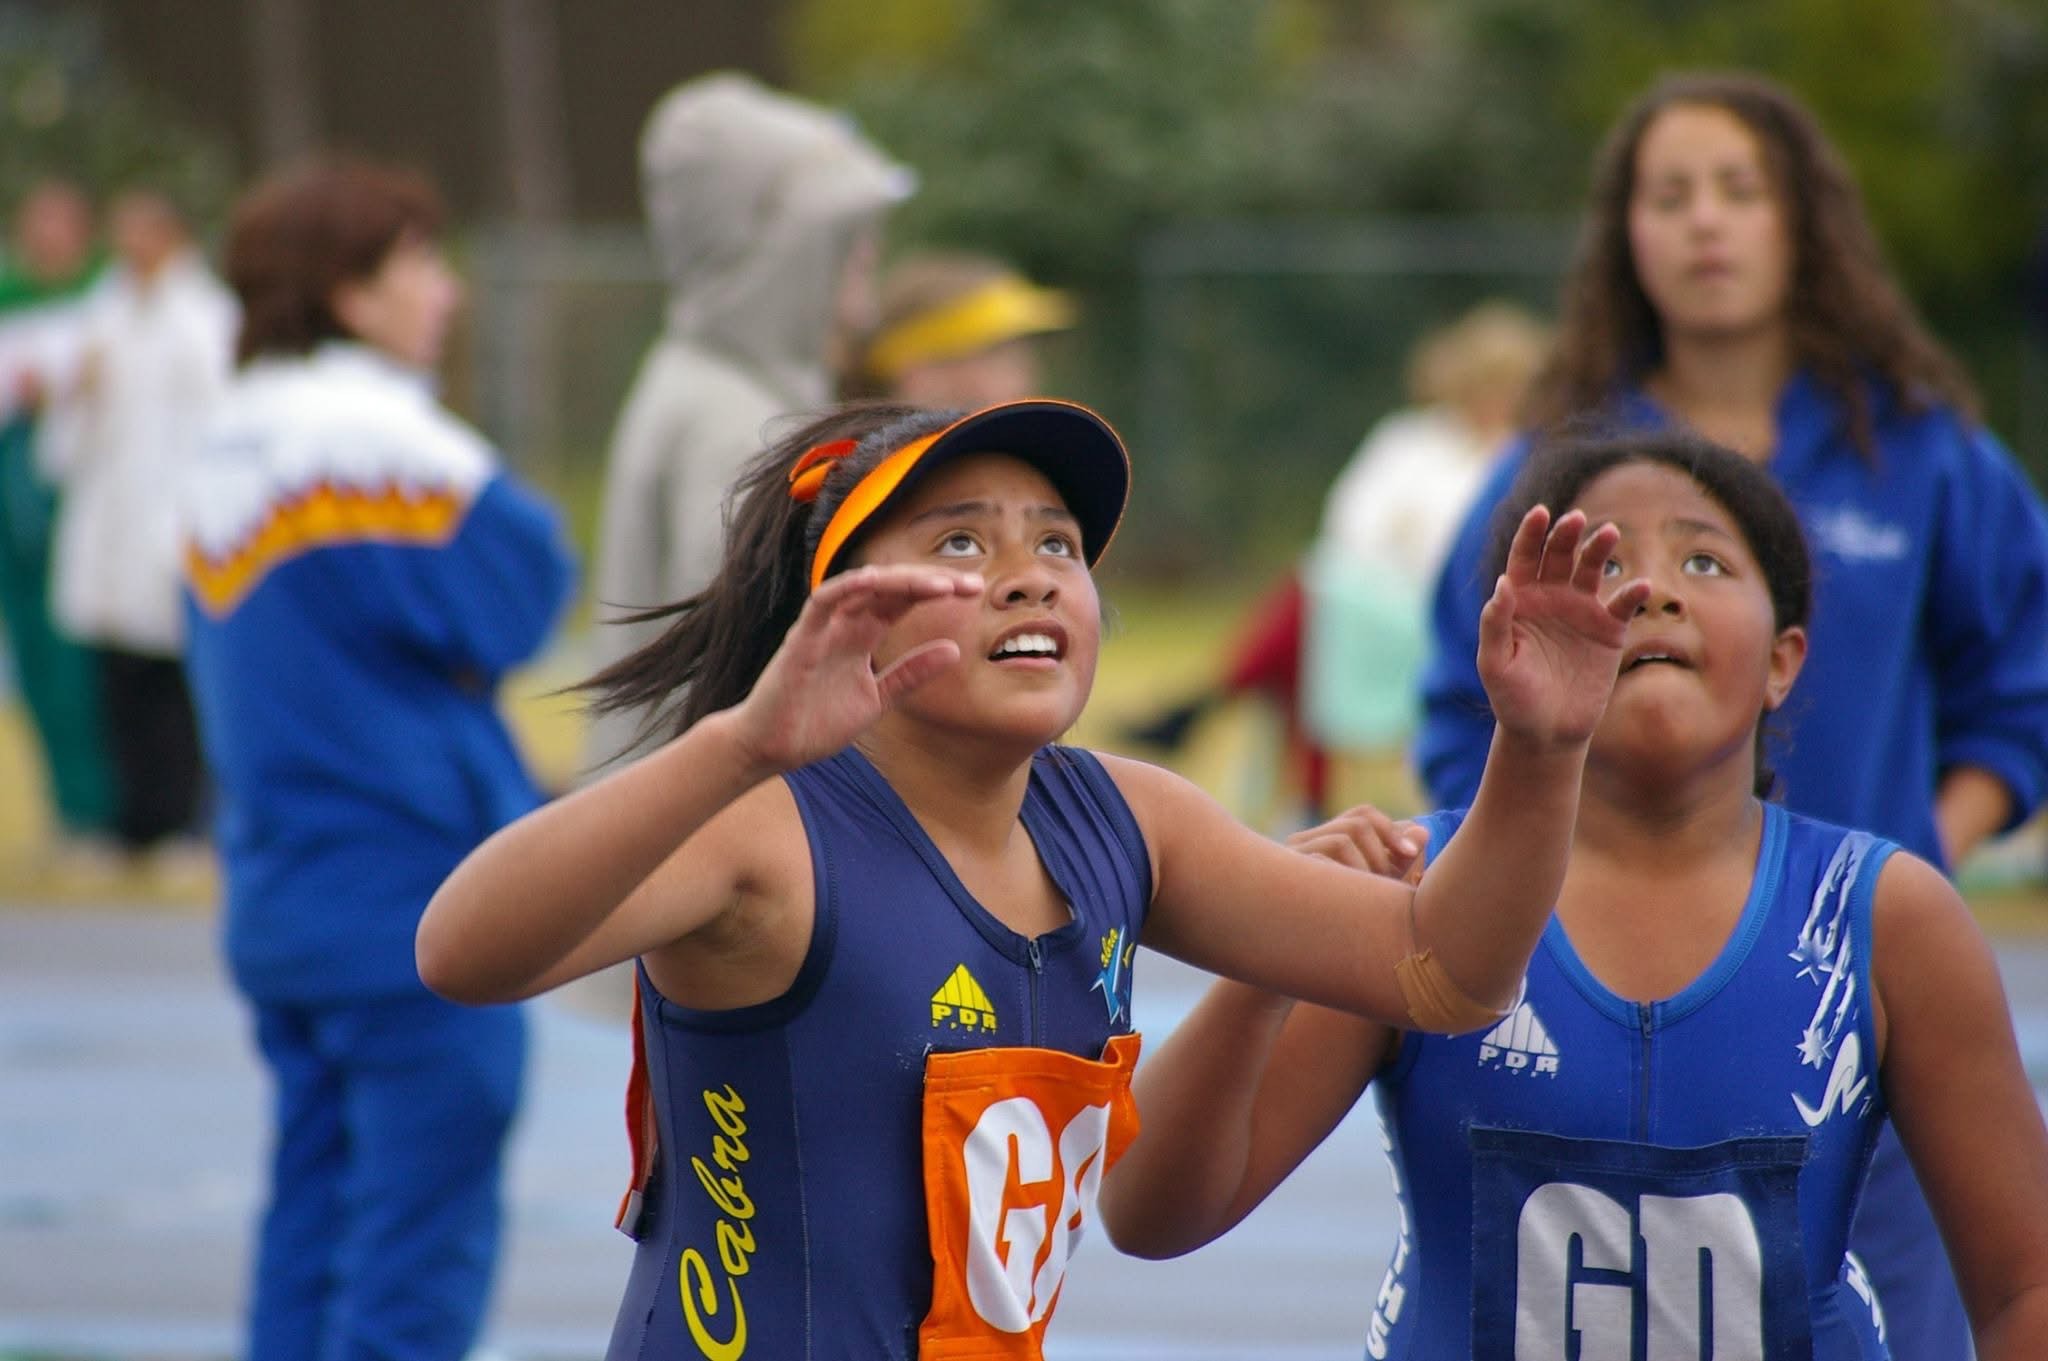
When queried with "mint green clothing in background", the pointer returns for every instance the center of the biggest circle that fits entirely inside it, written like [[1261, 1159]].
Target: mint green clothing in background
[[57, 678]]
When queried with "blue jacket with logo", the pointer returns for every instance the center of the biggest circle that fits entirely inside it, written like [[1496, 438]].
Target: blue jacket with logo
[[1928, 646], [786, 1215], [360, 574], [1663, 1179]]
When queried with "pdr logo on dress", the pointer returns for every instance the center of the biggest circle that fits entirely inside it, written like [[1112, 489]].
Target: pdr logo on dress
[[960, 1004], [1519, 1044]]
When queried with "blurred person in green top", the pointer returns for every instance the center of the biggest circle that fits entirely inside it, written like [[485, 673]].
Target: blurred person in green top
[[49, 265]]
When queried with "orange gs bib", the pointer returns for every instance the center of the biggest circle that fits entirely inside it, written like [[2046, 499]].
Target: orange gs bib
[[1015, 1145]]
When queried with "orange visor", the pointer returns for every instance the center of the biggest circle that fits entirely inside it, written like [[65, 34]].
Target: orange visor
[[1078, 451]]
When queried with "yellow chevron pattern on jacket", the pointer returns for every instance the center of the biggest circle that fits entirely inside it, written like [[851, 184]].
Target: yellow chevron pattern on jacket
[[324, 516], [960, 1003]]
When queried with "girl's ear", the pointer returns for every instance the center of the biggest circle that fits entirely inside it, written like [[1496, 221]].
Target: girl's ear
[[1788, 655]]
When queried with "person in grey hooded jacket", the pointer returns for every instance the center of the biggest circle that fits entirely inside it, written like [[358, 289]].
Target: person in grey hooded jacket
[[763, 211]]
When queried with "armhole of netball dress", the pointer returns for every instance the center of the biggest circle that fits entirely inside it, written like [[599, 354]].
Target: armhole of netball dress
[[1862, 920], [642, 1121]]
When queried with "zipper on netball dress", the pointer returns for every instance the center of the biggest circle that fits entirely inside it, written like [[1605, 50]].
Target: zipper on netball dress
[[1037, 983], [1644, 1015]]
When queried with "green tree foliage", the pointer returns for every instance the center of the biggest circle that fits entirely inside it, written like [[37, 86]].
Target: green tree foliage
[[1069, 134], [1937, 105], [1062, 134], [1940, 107], [1058, 131], [64, 110]]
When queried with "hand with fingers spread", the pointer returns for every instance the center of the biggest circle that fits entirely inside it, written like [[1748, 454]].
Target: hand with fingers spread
[[1549, 645], [1366, 839], [821, 690]]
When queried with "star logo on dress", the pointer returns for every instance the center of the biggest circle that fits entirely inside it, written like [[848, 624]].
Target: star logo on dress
[[1846, 1083], [1825, 953], [1115, 978]]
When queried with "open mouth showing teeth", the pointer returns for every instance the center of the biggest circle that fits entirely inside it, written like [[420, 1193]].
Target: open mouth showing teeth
[[1653, 658], [1027, 645]]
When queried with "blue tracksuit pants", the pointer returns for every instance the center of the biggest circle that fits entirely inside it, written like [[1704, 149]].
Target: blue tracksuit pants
[[382, 1228]]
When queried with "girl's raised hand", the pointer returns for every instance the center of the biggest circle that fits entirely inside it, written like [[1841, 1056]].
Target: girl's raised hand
[[821, 689], [1549, 645]]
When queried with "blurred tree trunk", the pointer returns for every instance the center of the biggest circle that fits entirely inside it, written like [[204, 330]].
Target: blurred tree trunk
[[280, 36], [529, 91]]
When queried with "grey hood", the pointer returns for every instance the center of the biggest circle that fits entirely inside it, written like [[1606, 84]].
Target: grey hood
[[754, 200]]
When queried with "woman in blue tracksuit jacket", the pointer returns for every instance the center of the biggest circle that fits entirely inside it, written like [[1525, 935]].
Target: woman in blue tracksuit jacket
[[361, 571], [1727, 280]]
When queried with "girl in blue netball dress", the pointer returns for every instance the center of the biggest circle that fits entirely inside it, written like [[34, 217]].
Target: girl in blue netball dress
[[1656, 1154], [1728, 280], [885, 925]]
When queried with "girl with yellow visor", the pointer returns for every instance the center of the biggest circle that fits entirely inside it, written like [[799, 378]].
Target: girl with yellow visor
[[958, 329]]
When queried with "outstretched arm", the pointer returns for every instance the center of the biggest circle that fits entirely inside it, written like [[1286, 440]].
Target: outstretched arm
[[1232, 902], [1549, 648], [1960, 1099], [1246, 1087], [566, 890]]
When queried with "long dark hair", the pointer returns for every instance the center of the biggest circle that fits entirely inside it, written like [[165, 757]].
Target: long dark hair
[[720, 640], [1561, 467], [1849, 321]]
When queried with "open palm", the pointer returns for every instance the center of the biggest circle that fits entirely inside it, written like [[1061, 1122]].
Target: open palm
[[821, 689], [1549, 645]]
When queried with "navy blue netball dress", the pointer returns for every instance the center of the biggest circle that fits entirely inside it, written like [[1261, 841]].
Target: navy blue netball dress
[[896, 1157]]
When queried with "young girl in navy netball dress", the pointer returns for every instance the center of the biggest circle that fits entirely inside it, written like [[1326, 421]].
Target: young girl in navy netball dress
[[885, 924]]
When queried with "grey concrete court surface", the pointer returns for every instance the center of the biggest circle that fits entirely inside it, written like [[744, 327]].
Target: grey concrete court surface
[[132, 1138], [132, 1141]]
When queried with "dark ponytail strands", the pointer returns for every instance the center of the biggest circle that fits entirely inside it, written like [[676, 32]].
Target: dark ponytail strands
[[719, 641]]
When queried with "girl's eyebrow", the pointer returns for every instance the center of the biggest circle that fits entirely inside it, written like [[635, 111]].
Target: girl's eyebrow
[[1685, 526], [1681, 527], [966, 510]]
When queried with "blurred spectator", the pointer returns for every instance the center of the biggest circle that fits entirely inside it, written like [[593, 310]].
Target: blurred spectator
[[958, 330], [40, 318], [361, 572], [1334, 647], [1262, 663], [764, 211], [124, 428], [1390, 518]]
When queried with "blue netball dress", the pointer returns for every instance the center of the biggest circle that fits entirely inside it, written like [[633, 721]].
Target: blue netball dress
[[793, 1207], [1660, 1181]]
